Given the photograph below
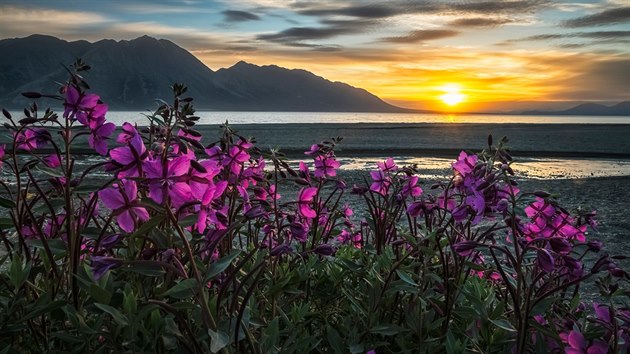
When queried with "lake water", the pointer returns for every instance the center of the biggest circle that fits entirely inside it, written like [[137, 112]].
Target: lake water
[[208, 117]]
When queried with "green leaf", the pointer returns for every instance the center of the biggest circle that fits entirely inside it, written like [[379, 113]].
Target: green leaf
[[148, 268], [219, 266], [116, 315], [6, 203], [18, 272], [218, 340], [385, 330], [57, 246], [147, 226], [42, 310], [181, 290], [334, 339], [406, 278], [53, 172], [504, 324], [6, 223], [99, 294], [87, 188], [190, 220]]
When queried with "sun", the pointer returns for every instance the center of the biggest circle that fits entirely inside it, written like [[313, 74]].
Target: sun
[[452, 96]]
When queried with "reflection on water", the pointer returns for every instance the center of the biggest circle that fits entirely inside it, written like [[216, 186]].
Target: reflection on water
[[341, 117], [533, 168]]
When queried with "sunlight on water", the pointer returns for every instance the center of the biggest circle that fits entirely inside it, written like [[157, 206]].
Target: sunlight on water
[[340, 117], [534, 168]]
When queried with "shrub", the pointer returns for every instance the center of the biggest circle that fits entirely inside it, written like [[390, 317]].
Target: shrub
[[170, 245]]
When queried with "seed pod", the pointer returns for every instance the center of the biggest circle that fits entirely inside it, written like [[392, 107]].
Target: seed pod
[[6, 113], [542, 194], [31, 94]]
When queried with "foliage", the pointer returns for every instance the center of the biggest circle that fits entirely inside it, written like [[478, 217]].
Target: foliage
[[190, 247]]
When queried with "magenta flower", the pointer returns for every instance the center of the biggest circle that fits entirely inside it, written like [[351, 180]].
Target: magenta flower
[[52, 161], [166, 180], [305, 199], [26, 139], [76, 103], [410, 187], [388, 165], [130, 157], [237, 155], [128, 133], [325, 166], [2, 153], [545, 260], [577, 344], [99, 135], [101, 264], [313, 151], [540, 212], [380, 182], [123, 199], [465, 163]]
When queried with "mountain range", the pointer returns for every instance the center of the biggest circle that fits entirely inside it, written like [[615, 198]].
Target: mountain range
[[132, 74]]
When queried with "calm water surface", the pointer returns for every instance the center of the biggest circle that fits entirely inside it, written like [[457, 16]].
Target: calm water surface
[[207, 117]]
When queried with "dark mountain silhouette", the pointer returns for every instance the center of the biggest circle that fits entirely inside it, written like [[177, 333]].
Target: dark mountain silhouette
[[133, 74], [589, 109]]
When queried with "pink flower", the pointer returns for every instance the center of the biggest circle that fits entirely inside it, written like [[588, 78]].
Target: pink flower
[[2, 153], [305, 199], [388, 165], [26, 139], [123, 199], [465, 163], [410, 187], [165, 180], [577, 344], [76, 103], [325, 166], [130, 157], [99, 135], [381, 182]]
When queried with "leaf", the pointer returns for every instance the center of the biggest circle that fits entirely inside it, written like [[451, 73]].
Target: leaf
[[53, 172], [116, 315], [42, 310], [219, 266], [504, 324], [6, 203], [406, 278], [385, 330], [181, 290], [148, 268], [218, 340], [147, 226], [87, 188], [6, 223], [57, 246], [190, 220], [334, 339]]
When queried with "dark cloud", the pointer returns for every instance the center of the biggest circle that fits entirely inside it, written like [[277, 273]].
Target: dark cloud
[[332, 28], [422, 36], [590, 35], [479, 22], [239, 16], [607, 17], [401, 7]]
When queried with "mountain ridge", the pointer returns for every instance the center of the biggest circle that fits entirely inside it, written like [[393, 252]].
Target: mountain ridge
[[132, 74]]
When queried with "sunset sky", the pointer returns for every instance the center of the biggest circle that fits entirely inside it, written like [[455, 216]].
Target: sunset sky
[[490, 55]]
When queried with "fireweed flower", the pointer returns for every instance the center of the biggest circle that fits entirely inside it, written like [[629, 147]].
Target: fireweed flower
[[465, 163], [325, 166], [76, 103], [237, 155], [2, 153], [168, 180], [305, 199], [380, 182], [411, 188], [26, 139], [577, 344], [100, 265], [130, 157], [99, 135], [123, 199], [387, 166]]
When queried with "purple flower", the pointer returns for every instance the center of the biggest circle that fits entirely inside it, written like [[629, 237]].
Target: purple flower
[[26, 139], [545, 260], [167, 180], [99, 135], [313, 151], [305, 199], [465, 248], [387, 166], [76, 104], [122, 199], [380, 182], [325, 166], [465, 163], [130, 156], [577, 344], [410, 187], [2, 153], [100, 265]]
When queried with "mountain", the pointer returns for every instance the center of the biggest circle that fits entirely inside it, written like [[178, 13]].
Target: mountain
[[133, 74], [589, 109]]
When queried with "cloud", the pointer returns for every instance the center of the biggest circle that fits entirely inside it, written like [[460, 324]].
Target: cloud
[[362, 11], [332, 28], [606, 17], [239, 16], [422, 36], [608, 35], [479, 22], [19, 21]]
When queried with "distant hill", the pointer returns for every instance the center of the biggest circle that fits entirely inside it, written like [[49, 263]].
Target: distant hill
[[589, 109], [132, 74]]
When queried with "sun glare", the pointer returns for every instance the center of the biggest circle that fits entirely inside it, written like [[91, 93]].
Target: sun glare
[[452, 96]]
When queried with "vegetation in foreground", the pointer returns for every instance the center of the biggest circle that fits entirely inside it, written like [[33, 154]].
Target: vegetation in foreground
[[193, 248]]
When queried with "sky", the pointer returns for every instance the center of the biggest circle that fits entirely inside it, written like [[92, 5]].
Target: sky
[[446, 55]]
